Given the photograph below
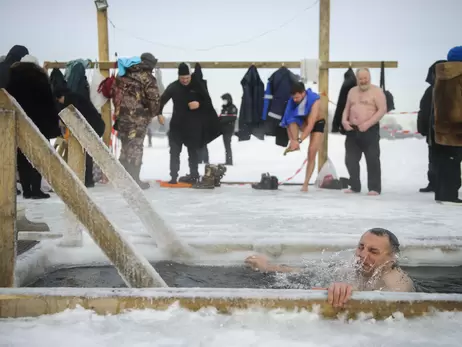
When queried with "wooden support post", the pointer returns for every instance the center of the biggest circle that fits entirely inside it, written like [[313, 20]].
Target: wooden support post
[[133, 267], [324, 47], [103, 52], [76, 161], [33, 302], [164, 236], [7, 191]]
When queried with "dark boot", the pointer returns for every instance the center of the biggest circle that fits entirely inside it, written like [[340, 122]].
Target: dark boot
[[37, 195], [191, 179], [218, 172], [427, 189], [208, 180], [267, 182], [274, 183], [134, 171]]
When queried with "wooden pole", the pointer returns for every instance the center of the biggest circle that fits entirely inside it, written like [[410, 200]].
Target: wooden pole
[[7, 191], [132, 266], [103, 52], [324, 45], [33, 302], [76, 161]]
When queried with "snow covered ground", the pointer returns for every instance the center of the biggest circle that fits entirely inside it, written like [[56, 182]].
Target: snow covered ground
[[207, 328]]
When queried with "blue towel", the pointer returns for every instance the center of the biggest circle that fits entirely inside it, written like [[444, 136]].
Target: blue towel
[[297, 113], [124, 63], [455, 54]]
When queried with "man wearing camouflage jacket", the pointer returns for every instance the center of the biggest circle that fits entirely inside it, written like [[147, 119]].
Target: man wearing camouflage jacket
[[136, 101]]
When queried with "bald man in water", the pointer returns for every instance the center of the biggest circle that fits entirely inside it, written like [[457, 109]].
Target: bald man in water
[[376, 268], [366, 105]]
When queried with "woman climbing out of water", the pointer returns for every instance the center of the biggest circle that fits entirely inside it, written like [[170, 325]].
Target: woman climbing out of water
[[303, 114]]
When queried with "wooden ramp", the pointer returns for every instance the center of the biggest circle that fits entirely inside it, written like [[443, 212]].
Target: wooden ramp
[[19, 131], [32, 302], [164, 236]]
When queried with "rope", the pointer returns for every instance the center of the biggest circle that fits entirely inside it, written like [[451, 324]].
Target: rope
[[295, 174]]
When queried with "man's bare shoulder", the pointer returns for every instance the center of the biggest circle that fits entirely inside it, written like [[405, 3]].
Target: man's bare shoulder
[[398, 281], [353, 92], [376, 89]]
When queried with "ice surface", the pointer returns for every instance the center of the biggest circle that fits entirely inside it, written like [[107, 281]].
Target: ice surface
[[178, 327]]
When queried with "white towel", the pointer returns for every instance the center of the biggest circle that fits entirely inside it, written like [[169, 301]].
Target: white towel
[[309, 69]]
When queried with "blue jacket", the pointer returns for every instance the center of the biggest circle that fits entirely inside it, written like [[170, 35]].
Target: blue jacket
[[277, 93], [293, 110]]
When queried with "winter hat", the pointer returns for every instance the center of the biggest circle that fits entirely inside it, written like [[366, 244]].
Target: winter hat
[[149, 59], [455, 54], [30, 59], [184, 69]]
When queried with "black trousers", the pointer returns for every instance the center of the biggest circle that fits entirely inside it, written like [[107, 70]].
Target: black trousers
[[29, 177], [203, 155], [447, 160], [228, 131], [175, 150], [431, 175], [89, 170], [356, 144]]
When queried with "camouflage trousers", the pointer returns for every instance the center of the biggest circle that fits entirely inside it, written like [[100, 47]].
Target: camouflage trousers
[[133, 144]]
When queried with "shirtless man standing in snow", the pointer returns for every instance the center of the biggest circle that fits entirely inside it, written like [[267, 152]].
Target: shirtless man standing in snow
[[365, 107], [376, 268]]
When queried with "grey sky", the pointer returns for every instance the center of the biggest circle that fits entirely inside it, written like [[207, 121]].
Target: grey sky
[[413, 32]]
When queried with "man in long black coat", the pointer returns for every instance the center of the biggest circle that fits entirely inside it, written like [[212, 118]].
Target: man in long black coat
[[194, 121], [29, 85]]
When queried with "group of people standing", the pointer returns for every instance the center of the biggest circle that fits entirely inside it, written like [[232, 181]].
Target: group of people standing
[[24, 79], [194, 122]]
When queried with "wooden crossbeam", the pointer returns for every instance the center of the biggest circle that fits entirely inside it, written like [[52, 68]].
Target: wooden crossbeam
[[105, 65], [33, 302]]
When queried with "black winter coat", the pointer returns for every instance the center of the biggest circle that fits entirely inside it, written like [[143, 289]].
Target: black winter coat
[[252, 105], [193, 128], [349, 81], [29, 85], [87, 109], [15, 54]]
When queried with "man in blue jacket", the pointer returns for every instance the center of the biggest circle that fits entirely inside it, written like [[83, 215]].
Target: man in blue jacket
[[303, 114]]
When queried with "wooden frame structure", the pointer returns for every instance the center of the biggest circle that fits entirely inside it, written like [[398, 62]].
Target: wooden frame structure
[[18, 131], [324, 56], [32, 302]]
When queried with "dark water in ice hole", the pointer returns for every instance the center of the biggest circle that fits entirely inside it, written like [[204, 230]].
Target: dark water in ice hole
[[427, 279]]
